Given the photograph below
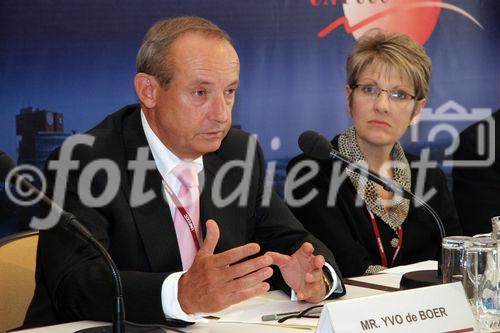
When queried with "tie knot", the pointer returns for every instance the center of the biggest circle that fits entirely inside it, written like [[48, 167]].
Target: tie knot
[[186, 173]]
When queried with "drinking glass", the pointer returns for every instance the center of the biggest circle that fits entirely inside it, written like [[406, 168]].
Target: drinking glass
[[495, 224], [453, 257], [481, 279]]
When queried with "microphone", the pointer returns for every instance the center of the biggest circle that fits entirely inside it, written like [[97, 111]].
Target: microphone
[[6, 164], [317, 146], [69, 222]]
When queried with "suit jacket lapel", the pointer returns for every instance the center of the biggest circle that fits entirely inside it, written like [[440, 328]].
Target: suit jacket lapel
[[211, 163], [153, 219], [229, 217]]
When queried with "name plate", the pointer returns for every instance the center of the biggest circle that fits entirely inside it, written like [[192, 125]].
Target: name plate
[[442, 308]]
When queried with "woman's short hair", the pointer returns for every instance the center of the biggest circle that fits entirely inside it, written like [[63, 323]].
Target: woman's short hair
[[395, 50], [153, 57]]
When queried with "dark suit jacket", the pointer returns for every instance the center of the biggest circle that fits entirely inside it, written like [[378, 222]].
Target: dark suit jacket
[[477, 189], [347, 229], [72, 281]]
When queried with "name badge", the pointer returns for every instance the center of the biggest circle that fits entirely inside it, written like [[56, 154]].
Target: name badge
[[442, 308]]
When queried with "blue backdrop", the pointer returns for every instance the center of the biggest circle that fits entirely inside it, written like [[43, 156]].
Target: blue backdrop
[[78, 58]]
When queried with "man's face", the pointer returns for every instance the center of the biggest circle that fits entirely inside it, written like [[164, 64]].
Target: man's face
[[193, 113]]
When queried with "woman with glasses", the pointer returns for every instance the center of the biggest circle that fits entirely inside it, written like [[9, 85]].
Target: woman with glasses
[[368, 228]]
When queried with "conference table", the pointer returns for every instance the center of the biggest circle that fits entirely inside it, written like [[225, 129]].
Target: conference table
[[245, 317]]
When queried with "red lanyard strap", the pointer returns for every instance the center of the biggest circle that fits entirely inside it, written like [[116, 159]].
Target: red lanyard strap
[[183, 212], [383, 257]]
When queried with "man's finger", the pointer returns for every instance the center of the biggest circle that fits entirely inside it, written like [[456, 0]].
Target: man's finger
[[319, 261], [314, 276], [211, 239], [236, 254], [246, 267], [250, 280], [248, 293], [306, 248], [279, 259], [313, 292]]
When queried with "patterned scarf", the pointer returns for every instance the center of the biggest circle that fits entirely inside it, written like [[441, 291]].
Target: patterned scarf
[[397, 213]]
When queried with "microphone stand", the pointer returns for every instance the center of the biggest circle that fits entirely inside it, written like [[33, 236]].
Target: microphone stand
[[412, 279], [317, 146], [389, 185], [69, 222], [119, 325], [118, 321]]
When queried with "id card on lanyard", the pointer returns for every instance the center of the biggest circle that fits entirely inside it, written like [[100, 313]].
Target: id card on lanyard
[[383, 256], [183, 212]]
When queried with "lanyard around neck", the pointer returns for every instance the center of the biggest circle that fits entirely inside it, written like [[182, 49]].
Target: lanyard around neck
[[383, 257], [183, 212]]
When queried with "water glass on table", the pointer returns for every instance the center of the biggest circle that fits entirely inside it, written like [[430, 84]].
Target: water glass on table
[[495, 226], [453, 257], [481, 282]]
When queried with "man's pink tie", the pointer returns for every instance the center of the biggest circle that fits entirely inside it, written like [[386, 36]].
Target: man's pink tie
[[188, 195]]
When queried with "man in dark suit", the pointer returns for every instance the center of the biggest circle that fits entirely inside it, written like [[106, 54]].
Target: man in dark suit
[[476, 189], [188, 74]]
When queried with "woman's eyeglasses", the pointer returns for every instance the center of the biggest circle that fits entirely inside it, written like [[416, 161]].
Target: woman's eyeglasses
[[371, 91]]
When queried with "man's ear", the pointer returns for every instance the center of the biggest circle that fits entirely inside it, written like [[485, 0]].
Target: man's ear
[[145, 88], [417, 112]]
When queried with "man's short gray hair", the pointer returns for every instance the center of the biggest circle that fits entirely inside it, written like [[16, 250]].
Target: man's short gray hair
[[153, 57]]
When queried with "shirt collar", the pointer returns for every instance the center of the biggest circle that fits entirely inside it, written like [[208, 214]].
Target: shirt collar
[[165, 159]]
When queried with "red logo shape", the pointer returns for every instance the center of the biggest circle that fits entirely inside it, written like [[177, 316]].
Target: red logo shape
[[415, 18]]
